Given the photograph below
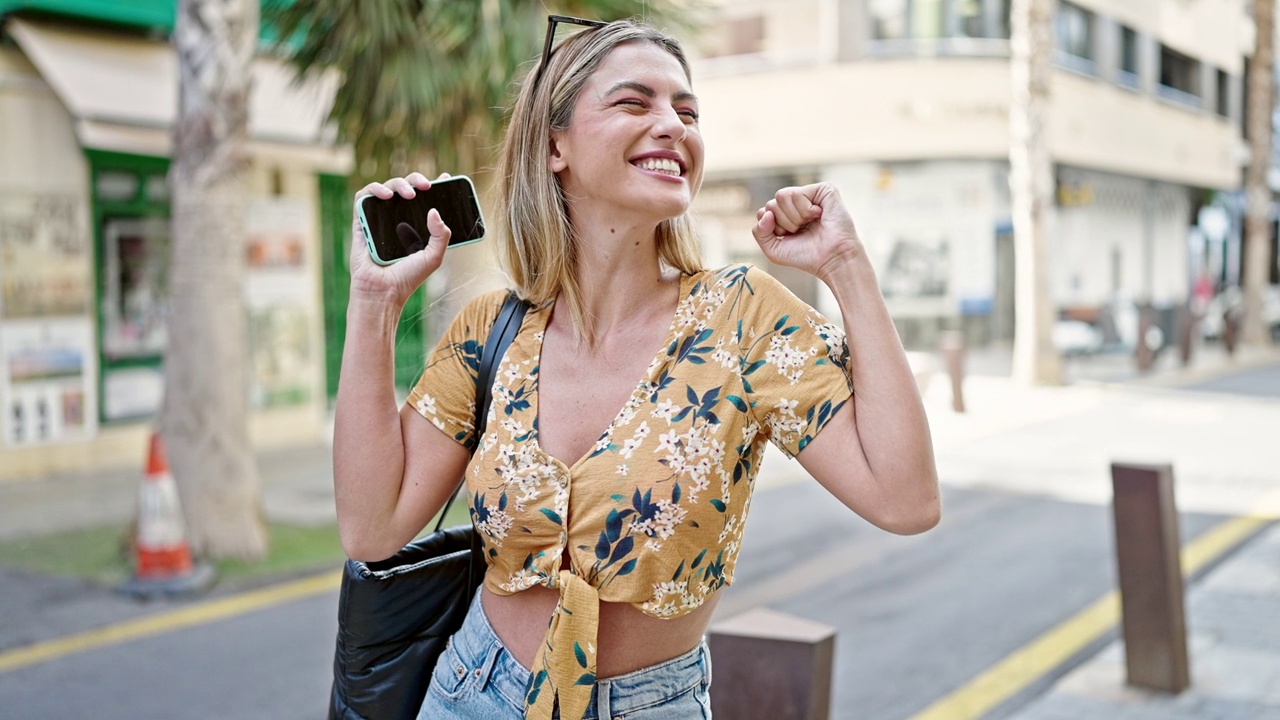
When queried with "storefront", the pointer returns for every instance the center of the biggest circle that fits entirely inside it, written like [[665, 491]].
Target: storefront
[[85, 117]]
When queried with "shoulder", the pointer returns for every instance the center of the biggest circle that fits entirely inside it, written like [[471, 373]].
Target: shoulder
[[477, 316], [747, 284]]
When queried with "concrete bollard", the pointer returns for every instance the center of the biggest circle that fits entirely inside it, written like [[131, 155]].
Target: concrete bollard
[[1150, 572], [768, 664], [953, 350]]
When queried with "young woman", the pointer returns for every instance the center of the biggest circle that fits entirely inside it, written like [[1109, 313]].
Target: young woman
[[630, 413]]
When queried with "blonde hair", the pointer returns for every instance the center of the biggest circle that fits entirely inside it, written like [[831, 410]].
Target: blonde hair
[[537, 243]]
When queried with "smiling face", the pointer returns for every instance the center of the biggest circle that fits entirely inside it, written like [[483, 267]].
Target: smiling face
[[633, 148]]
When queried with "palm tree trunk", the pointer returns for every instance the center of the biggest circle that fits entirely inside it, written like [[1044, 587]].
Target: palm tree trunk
[[1257, 194], [1035, 361], [204, 418]]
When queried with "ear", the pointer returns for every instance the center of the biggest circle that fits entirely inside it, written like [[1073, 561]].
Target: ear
[[556, 160]]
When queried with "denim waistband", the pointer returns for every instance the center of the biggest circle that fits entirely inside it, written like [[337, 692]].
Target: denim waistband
[[496, 669]]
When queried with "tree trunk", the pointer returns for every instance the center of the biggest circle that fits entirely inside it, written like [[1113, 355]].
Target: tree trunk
[[204, 418], [1035, 361], [1257, 230]]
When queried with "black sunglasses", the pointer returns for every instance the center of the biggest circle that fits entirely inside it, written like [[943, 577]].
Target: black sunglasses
[[552, 21]]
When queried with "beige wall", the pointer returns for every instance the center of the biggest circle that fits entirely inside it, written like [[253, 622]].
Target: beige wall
[[924, 109], [1106, 127], [890, 110]]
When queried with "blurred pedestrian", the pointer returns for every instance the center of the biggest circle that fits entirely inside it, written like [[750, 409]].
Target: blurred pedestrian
[[631, 411]]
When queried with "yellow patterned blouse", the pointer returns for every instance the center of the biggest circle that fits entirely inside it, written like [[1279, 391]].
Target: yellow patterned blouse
[[653, 514]]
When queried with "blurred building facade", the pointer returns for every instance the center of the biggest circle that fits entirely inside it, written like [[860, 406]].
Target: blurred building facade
[[88, 95], [904, 104]]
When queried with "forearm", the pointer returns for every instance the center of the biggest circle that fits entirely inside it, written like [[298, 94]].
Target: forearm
[[890, 418], [368, 448]]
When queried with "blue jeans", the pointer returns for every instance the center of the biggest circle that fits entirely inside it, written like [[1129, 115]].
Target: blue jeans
[[476, 678]]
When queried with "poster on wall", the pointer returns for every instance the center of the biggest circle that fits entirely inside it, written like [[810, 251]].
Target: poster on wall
[[280, 295], [45, 257], [46, 377]]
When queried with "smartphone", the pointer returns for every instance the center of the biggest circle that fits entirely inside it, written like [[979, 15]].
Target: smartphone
[[455, 199]]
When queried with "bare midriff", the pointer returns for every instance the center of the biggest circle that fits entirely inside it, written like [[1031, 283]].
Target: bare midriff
[[628, 638]]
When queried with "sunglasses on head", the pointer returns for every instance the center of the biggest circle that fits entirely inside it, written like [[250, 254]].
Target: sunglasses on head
[[552, 22]]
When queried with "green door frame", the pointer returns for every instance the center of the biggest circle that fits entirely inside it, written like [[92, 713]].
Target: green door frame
[[141, 205]]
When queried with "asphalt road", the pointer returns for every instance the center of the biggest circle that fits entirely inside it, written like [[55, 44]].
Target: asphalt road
[[916, 616]]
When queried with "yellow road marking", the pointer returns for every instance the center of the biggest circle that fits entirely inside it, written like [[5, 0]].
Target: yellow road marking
[[1028, 663], [200, 614]]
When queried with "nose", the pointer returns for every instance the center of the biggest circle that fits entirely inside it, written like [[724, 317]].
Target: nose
[[668, 124]]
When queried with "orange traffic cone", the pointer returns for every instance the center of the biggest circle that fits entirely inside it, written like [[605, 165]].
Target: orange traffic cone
[[163, 564]]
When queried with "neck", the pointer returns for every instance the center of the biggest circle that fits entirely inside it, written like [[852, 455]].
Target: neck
[[619, 272]]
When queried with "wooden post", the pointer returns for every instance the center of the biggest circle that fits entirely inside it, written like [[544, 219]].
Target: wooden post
[[1150, 571], [768, 664]]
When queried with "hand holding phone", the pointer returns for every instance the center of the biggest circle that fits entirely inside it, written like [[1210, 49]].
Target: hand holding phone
[[396, 227]]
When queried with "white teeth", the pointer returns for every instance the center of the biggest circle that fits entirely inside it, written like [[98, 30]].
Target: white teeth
[[662, 165]]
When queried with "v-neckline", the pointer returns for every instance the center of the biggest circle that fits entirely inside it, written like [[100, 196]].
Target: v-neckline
[[535, 403]]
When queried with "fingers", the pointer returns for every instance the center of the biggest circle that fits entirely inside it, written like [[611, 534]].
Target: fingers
[[405, 187], [793, 208]]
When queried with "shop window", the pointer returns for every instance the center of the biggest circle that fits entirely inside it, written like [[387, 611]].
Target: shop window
[[1074, 38], [116, 186], [135, 292], [158, 188], [1179, 77], [1128, 72]]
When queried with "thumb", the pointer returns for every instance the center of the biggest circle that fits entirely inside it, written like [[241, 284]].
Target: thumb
[[766, 226], [435, 225]]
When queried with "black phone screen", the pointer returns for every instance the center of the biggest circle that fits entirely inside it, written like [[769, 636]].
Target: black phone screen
[[454, 199]]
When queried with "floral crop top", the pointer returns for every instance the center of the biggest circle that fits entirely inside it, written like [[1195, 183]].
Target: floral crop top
[[653, 514]]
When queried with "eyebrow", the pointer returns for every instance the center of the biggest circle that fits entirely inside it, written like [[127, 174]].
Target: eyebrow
[[648, 91]]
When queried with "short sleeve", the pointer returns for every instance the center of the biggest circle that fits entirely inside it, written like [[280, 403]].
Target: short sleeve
[[445, 393], [795, 363]]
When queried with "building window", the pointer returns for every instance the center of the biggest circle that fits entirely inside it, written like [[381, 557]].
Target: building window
[[1223, 105], [1074, 36], [1179, 77], [1128, 73], [939, 27]]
